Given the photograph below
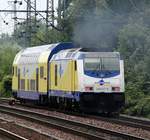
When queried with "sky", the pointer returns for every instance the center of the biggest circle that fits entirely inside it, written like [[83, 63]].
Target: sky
[[7, 17]]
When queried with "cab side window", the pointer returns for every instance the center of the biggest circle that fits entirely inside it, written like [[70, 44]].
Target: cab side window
[[75, 65], [41, 72], [55, 75]]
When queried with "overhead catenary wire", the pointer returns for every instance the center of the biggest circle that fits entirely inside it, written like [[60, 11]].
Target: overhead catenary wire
[[53, 26], [39, 14], [5, 21]]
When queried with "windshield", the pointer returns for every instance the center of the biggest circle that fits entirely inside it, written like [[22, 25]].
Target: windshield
[[101, 64]]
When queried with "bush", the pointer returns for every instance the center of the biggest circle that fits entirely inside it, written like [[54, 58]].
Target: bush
[[5, 87]]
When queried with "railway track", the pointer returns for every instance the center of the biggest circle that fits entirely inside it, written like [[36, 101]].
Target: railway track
[[10, 135], [122, 119], [75, 127], [135, 122]]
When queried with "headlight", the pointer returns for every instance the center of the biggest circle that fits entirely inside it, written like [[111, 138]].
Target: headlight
[[115, 88], [88, 88]]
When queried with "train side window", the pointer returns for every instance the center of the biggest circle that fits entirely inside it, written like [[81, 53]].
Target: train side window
[[75, 65], [24, 71], [55, 75], [41, 72], [22, 84], [28, 85], [32, 85]]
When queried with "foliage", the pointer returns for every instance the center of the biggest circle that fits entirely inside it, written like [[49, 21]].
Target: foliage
[[5, 86], [8, 50], [133, 43], [7, 54]]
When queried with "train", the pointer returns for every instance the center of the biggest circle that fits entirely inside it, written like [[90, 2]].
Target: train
[[70, 77]]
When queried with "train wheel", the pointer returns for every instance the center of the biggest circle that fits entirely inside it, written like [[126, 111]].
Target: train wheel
[[22, 101], [116, 114], [56, 102], [60, 104], [12, 102], [76, 106], [68, 104], [109, 114], [65, 103]]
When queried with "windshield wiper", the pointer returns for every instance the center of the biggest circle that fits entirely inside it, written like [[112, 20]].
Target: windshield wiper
[[96, 70]]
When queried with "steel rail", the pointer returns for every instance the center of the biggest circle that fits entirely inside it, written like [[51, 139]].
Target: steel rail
[[135, 119], [11, 135], [121, 120], [75, 127]]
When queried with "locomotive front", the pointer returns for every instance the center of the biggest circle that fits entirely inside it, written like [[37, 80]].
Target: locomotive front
[[102, 82]]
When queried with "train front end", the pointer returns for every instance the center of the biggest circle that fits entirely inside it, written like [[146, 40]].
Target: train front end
[[101, 82]]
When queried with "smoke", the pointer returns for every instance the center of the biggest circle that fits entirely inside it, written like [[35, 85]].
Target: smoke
[[98, 30], [95, 33]]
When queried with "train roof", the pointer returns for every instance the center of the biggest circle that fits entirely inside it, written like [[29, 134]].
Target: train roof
[[80, 53], [40, 54]]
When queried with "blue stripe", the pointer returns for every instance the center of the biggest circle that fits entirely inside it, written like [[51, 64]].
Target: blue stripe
[[101, 74], [59, 47], [28, 95], [31, 95], [66, 94]]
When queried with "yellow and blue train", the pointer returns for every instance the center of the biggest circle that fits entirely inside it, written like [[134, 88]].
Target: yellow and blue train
[[66, 76]]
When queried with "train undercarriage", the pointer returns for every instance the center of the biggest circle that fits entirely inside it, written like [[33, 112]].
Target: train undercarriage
[[107, 103]]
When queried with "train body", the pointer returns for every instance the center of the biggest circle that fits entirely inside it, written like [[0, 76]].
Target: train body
[[63, 75]]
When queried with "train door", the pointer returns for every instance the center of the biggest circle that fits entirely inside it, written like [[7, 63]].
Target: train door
[[37, 79], [18, 79], [53, 82], [67, 77], [56, 75], [42, 81], [74, 75]]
